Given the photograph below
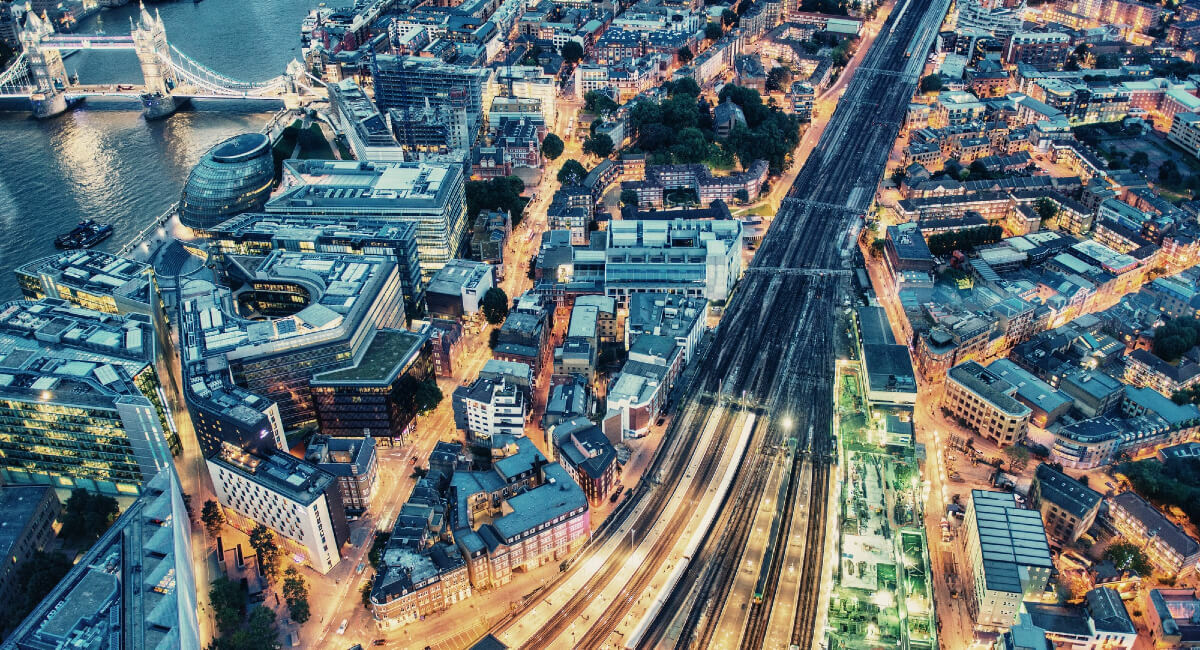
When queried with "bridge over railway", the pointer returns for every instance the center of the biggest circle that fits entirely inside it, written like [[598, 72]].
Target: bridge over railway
[[170, 78]]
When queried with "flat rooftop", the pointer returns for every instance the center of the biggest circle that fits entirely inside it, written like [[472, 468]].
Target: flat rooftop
[[390, 352]]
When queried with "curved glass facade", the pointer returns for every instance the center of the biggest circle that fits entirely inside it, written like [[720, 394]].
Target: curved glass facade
[[233, 177]]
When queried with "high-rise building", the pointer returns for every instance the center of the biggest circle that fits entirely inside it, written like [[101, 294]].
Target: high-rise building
[[247, 370], [256, 234], [134, 588], [29, 515], [490, 407], [413, 84], [80, 400], [376, 395], [291, 496], [1008, 555], [428, 194]]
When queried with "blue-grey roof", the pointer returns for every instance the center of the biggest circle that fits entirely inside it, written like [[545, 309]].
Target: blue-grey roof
[[542, 504], [1030, 389], [1065, 492], [1011, 539]]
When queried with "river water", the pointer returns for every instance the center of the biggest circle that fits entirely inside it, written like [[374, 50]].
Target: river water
[[105, 162]]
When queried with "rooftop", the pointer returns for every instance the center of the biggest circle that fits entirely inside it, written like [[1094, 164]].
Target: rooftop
[[1011, 539], [1156, 523], [278, 471], [988, 386], [1065, 492]]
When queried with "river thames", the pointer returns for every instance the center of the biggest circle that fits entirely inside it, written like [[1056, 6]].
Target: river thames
[[104, 161]]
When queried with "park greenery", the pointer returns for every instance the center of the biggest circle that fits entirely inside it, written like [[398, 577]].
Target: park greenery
[[86, 516], [502, 193], [1175, 337], [679, 129], [964, 240], [1174, 482], [494, 305], [572, 51]]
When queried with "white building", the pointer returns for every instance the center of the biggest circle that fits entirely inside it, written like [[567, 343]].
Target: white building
[[490, 407], [292, 497], [1185, 132], [529, 82], [1008, 555], [701, 259]]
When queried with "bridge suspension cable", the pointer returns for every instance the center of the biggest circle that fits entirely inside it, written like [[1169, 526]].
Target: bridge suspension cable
[[16, 79], [204, 77]]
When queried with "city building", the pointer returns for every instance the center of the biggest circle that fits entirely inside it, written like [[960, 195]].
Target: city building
[[1068, 506], [410, 84], [700, 259], [1100, 622], [257, 234], [1008, 556], [639, 393], [1168, 547], [985, 403], [1185, 132], [353, 462], [446, 343], [294, 498], [607, 323], [233, 177], [375, 396], [98, 281], [458, 287], [569, 397], [585, 452], [1144, 368], [672, 315], [365, 128], [134, 588], [427, 194], [522, 513], [81, 405], [249, 358], [490, 407], [660, 180], [29, 515], [524, 337], [886, 364], [489, 235], [1173, 617]]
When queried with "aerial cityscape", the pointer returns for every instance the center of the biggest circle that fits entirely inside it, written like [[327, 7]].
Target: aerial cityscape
[[555, 324]]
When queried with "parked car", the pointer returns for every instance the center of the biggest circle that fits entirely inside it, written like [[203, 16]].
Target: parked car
[[343, 626]]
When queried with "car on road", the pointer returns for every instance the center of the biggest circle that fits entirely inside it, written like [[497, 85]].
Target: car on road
[[361, 566], [343, 626], [412, 461], [379, 642], [616, 495]]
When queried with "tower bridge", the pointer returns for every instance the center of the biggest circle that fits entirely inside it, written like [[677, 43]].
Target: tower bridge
[[169, 77]]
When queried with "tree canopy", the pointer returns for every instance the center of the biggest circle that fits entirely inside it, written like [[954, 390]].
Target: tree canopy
[[259, 633], [228, 602], [964, 240], [295, 593], [496, 194], [1176, 336], [262, 540], [86, 516], [572, 51], [779, 78], [212, 517], [1174, 482], [494, 305], [629, 197], [427, 396], [552, 146], [712, 31], [931, 83], [685, 55], [1047, 209], [1126, 555], [599, 103], [572, 173], [599, 145], [30, 582]]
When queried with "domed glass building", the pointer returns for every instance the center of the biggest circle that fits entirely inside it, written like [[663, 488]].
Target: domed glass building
[[233, 177]]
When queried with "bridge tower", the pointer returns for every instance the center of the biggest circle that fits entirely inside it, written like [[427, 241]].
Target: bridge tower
[[295, 75], [45, 67], [154, 54]]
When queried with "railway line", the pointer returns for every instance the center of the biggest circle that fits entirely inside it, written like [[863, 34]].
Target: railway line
[[772, 354], [777, 344]]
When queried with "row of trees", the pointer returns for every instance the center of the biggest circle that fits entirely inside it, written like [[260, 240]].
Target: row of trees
[[964, 240]]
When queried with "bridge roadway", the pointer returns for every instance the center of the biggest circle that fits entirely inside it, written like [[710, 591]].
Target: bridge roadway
[[774, 349]]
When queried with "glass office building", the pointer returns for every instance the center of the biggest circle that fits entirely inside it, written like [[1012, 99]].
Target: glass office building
[[233, 177]]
